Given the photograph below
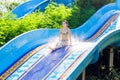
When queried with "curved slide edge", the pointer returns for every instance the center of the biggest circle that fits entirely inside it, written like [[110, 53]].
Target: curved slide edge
[[111, 38], [95, 22], [30, 6]]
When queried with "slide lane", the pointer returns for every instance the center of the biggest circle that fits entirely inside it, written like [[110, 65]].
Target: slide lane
[[28, 61], [20, 62], [57, 71], [44, 66], [111, 27], [103, 29], [44, 60]]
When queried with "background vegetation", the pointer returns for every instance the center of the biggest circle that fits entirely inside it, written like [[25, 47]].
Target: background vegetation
[[52, 18], [6, 6]]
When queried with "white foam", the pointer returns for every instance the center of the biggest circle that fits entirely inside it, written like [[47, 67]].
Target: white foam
[[118, 23]]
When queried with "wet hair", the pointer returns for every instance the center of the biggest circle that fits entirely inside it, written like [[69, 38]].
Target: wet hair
[[66, 21]]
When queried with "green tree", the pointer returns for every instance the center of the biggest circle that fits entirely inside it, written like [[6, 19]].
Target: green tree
[[96, 3]]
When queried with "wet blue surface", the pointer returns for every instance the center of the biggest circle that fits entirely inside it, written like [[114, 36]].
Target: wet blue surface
[[44, 66]]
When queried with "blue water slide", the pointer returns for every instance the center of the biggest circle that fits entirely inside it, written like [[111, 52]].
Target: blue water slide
[[72, 65], [30, 6], [32, 40]]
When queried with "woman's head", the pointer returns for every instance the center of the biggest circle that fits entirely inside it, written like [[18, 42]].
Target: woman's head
[[65, 23]]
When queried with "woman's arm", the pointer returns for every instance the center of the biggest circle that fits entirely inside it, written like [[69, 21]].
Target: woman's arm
[[60, 36], [69, 37]]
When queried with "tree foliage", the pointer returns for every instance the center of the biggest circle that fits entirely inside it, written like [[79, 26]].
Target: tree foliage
[[96, 3]]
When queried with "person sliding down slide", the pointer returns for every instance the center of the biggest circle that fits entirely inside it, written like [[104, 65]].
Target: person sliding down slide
[[64, 36]]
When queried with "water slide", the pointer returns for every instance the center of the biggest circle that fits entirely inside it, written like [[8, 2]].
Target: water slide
[[32, 5], [29, 6], [28, 56]]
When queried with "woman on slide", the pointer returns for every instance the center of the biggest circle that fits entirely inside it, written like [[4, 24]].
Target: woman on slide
[[64, 36]]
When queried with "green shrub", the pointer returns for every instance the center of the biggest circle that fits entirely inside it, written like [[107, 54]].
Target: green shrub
[[56, 15]]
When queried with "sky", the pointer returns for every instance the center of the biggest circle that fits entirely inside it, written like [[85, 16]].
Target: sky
[[3, 2], [13, 0]]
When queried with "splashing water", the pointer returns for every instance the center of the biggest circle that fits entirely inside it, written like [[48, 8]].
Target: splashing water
[[76, 43], [53, 41], [118, 23]]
